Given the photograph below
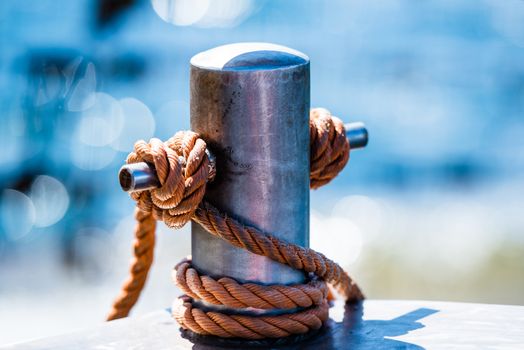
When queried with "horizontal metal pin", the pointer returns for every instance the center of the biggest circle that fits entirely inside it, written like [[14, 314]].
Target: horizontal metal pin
[[142, 176], [357, 135]]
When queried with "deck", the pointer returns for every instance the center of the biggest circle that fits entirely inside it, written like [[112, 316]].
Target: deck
[[375, 324]]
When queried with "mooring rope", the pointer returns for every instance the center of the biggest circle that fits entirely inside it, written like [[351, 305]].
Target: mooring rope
[[182, 167], [228, 292]]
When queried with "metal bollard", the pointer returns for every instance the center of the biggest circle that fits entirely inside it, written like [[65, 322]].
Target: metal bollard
[[250, 103]]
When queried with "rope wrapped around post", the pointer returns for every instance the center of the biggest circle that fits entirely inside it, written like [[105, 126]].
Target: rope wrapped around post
[[182, 168]]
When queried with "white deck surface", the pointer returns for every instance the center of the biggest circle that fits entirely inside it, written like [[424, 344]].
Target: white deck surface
[[378, 324]]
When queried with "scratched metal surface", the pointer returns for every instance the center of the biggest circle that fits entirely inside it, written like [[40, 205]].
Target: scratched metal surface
[[376, 324], [250, 102]]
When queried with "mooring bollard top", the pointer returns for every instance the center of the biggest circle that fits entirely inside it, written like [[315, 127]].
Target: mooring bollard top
[[249, 56]]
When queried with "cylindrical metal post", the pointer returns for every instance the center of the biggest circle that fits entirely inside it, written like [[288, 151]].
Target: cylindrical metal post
[[250, 103]]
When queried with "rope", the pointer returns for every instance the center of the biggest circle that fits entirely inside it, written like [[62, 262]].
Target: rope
[[329, 147], [241, 326], [182, 167], [228, 292], [142, 259], [260, 243]]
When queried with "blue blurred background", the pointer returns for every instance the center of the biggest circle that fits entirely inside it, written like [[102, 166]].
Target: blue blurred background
[[431, 209]]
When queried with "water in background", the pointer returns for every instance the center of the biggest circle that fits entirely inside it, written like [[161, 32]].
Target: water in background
[[431, 209]]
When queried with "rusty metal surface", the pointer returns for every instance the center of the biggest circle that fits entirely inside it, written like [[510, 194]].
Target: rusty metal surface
[[376, 324]]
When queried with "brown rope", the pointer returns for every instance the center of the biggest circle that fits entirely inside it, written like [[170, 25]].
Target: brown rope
[[228, 292], [142, 259], [183, 169], [249, 327], [260, 243], [329, 147]]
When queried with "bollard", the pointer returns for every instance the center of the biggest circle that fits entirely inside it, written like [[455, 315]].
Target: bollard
[[250, 102]]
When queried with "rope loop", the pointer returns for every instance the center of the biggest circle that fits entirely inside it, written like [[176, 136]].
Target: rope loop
[[248, 327], [230, 293], [329, 147], [182, 167]]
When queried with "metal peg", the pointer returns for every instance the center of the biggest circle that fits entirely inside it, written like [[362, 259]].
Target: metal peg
[[357, 135], [142, 176], [138, 177]]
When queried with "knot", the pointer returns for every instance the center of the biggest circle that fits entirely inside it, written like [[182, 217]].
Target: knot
[[182, 167], [329, 147]]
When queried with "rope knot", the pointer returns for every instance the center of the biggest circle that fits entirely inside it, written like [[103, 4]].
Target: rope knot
[[182, 167]]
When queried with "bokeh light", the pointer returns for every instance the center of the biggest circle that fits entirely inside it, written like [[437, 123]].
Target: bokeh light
[[50, 200], [17, 214], [83, 94], [138, 123], [336, 237], [91, 157], [102, 123], [181, 12], [364, 211], [203, 13]]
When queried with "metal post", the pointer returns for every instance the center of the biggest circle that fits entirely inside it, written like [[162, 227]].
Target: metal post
[[250, 103]]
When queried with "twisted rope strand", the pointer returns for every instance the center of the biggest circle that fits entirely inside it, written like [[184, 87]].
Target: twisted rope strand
[[142, 260], [260, 243], [329, 147], [248, 327], [182, 167], [228, 292]]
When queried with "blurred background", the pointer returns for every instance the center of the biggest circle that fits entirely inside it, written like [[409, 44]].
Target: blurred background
[[431, 209]]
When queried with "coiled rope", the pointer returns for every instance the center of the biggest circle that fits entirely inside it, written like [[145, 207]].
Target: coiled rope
[[182, 167]]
